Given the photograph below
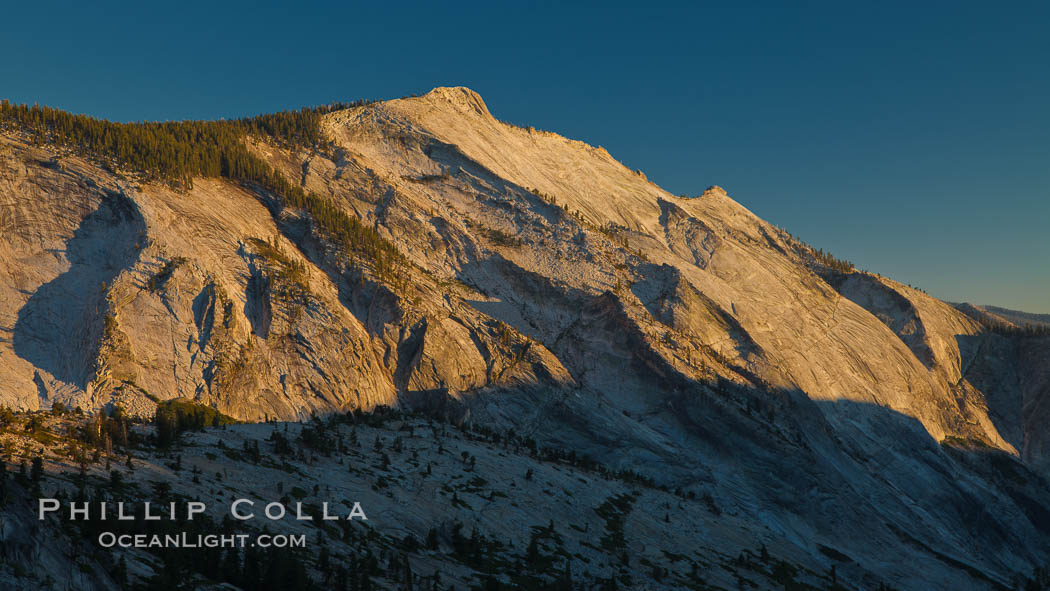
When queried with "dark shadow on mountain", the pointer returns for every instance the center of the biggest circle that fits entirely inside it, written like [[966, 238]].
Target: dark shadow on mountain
[[477, 175], [888, 306], [528, 293], [990, 364], [673, 301], [257, 306], [59, 327], [1010, 371], [862, 475]]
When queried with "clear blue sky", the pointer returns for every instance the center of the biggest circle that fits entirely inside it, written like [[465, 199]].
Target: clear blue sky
[[912, 138]]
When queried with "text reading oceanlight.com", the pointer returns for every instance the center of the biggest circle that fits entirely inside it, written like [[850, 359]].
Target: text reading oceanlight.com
[[183, 540]]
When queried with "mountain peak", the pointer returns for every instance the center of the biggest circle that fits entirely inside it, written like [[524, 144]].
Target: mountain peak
[[715, 190], [460, 97]]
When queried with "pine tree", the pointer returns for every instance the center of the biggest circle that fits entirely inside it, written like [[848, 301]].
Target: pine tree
[[36, 473]]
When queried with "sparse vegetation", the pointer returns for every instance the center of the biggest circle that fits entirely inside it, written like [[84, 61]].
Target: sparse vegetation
[[342, 554], [501, 238], [177, 152], [178, 415], [158, 279], [965, 442], [817, 256], [290, 276], [1000, 327], [615, 511]]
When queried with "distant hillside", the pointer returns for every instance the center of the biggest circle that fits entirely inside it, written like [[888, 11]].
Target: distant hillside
[[1018, 317]]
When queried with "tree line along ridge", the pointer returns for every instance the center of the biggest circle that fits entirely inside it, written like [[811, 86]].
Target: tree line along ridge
[[178, 151]]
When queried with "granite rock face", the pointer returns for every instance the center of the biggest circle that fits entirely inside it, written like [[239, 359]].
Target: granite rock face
[[553, 291]]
